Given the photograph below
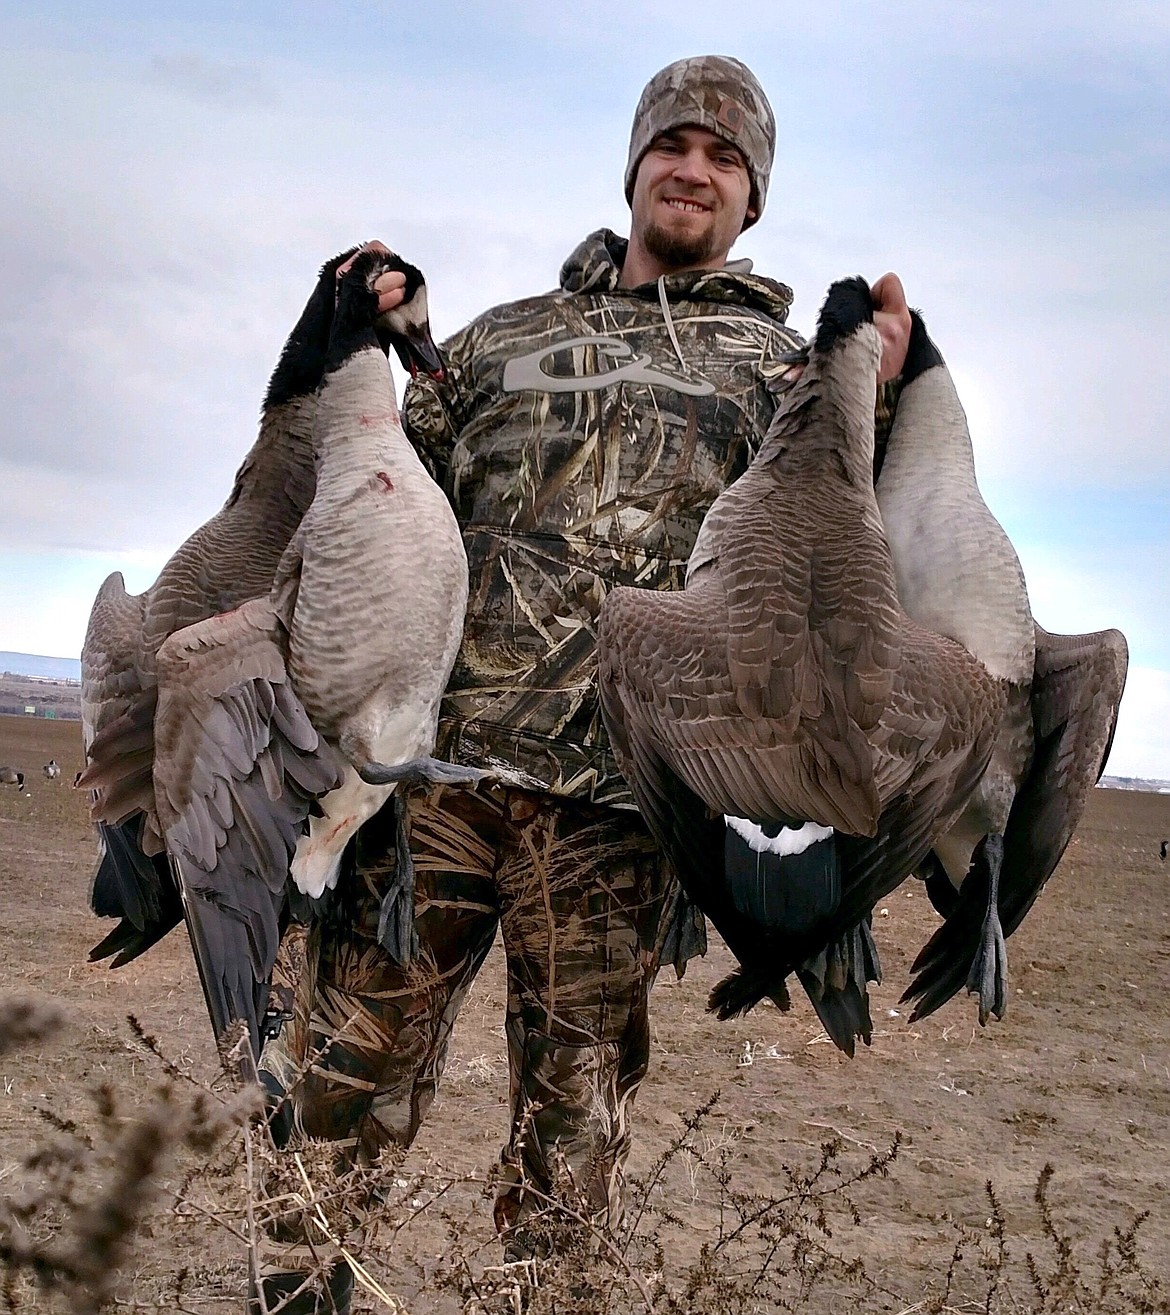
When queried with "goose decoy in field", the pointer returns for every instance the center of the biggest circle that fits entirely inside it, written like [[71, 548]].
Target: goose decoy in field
[[284, 724], [232, 558], [51, 770], [10, 776], [784, 685], [958, 574]]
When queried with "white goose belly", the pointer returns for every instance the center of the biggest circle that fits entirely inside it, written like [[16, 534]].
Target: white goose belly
[[381, 602], [406, 732], [958, 575]]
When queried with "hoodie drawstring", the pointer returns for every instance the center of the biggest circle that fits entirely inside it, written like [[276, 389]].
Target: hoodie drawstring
[[665, 304]]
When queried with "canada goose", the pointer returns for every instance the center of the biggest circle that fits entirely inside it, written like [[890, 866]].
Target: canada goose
[[1163, 850], [958, 574], [323, 695], [51, 770], [784, 684], [10, 776], [232, 558]]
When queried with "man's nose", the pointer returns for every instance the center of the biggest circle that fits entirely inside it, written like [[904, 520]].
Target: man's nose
[[692, 168]]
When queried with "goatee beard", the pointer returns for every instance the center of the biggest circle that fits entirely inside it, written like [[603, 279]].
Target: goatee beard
[[674, 251]]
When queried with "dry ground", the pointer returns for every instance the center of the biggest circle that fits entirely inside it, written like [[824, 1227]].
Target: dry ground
[[1077, 1075]]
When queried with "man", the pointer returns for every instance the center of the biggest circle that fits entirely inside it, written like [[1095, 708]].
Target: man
[[581, 436]]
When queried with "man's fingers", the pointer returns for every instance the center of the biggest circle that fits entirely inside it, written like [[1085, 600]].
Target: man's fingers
[[888, 294], [391, 290], [390, 286], [891, 318], [368, 246]]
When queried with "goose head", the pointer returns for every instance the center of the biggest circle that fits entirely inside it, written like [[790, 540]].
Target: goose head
[[407, 327], [847, 308], [844, 317]]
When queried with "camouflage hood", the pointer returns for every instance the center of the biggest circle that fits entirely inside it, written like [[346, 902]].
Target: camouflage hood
[[581, 436], [596, 266]]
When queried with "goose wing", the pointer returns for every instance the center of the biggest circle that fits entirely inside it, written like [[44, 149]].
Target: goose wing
[[1076, 696], [738, 699], [238, 767], [132, 881], [111, 656], [117, 701]]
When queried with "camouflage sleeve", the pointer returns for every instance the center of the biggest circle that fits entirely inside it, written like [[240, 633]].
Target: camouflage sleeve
[[434, 412], [884, 409]]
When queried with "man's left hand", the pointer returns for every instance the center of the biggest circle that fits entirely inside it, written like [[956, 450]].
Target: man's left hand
[[891, 318]]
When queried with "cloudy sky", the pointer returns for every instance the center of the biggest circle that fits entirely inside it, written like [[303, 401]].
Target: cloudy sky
[[173, 176]]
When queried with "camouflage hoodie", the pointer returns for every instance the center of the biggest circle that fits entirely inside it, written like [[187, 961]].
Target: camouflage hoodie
[[581, 436]]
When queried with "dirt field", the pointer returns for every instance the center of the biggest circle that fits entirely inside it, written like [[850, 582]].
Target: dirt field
[[1077, 1075]]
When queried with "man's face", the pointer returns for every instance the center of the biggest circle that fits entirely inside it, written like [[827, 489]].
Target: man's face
[[690, 198]]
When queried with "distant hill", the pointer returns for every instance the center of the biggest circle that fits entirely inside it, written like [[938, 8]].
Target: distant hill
[[47, 668], [1135, 783]]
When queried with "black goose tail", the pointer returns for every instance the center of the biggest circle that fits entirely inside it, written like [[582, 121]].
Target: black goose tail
[[787, 881], [784, 881], [782, 878]]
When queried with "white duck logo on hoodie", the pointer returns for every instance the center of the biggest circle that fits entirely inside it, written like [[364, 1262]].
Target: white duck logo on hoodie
[[528, 371]]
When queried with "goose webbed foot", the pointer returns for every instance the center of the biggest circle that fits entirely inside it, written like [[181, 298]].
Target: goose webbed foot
[[422, 771], [396, 931], [988, 975]]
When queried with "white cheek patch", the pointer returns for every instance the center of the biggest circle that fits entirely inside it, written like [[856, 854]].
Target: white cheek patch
[[790, 840]]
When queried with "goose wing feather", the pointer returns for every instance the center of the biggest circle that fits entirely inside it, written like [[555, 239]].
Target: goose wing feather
[[136, 888], [118, 701], [1076, 695], [111, 673], [237, 770], [811, 620]]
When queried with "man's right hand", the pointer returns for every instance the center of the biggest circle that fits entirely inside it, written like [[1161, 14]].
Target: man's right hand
[[390, 287]]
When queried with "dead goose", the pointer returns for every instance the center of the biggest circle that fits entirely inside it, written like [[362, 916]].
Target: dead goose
[[10, 776], [325, 690], [785, 684], [226, 561], [958, 574]]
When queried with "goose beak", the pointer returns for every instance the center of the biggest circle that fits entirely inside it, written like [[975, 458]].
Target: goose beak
[[417, 351], [795, 361]]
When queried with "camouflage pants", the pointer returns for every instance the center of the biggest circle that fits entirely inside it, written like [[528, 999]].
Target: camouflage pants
[[579, 892]]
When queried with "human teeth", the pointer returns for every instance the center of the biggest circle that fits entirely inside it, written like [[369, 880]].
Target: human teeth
[[685, 206]]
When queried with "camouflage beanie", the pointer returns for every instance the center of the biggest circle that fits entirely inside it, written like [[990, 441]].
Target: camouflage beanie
[[713, 92]]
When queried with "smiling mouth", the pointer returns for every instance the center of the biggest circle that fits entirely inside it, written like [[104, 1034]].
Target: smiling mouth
[[686, 207]]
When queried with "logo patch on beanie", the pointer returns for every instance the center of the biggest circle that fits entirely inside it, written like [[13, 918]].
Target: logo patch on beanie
[[730, 114]]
